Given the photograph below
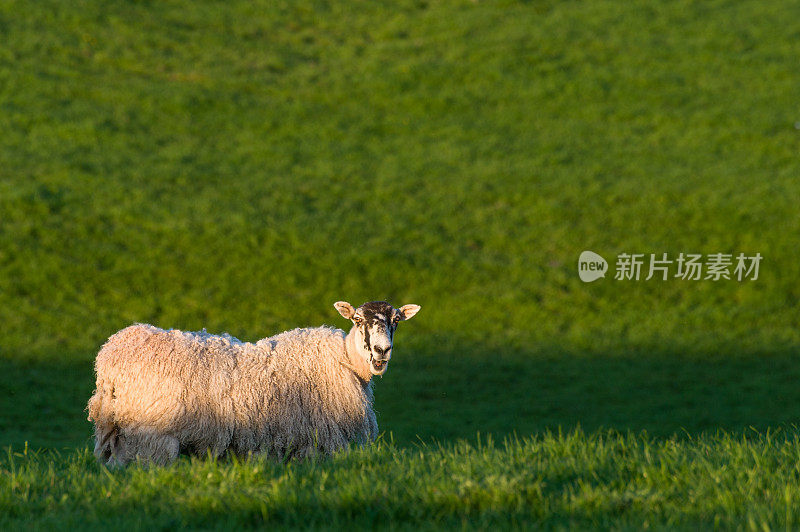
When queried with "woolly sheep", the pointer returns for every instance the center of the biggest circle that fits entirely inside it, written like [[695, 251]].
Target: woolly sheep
[[160, 393]]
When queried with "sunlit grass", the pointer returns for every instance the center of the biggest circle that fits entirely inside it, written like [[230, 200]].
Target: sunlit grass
[[571, 480]]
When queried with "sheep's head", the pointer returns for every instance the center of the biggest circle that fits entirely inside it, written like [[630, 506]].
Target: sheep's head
[[374, 324]]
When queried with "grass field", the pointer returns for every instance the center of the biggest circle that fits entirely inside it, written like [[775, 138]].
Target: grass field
[[559, 481], [240, 166]]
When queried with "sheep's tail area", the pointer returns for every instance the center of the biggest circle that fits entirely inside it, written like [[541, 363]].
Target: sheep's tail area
[[106, 431]]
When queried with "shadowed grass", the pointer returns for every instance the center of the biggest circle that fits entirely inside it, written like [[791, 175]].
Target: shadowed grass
[[456, 391]]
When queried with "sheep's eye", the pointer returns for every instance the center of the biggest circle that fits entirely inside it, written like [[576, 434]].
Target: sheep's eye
[[357, 320]]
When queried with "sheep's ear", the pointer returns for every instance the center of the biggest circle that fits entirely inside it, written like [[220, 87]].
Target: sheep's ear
[[345, 309], [407, 311]]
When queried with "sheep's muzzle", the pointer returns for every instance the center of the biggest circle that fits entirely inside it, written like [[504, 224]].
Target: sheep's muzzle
[[379, 366]]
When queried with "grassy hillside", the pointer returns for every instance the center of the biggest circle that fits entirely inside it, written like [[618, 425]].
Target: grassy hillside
[[240, 166]]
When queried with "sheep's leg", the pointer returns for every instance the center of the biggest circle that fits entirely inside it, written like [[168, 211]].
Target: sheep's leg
[[106, 436], [147, 446]]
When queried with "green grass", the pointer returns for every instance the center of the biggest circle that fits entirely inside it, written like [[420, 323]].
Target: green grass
[[559, 481], [240, 166]]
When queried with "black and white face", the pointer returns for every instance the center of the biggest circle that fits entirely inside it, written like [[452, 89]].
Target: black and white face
[[374, 324]]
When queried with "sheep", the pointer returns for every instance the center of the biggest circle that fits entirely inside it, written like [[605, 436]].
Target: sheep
[[161, 393]]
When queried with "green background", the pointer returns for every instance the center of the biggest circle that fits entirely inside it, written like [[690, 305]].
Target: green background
[[242, 166]]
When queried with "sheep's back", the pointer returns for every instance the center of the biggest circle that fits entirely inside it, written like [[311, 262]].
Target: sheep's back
[[164, 378]]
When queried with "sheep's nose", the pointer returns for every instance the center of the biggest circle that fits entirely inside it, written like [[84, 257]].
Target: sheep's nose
[[379, 350]]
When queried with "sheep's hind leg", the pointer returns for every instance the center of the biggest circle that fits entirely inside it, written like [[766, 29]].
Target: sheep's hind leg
[[146, 446]]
